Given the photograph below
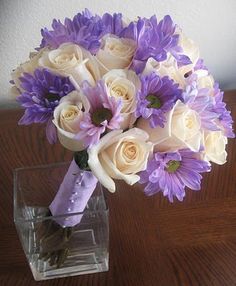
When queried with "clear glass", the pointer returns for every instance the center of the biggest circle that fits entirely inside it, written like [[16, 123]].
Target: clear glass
[[53, 251]]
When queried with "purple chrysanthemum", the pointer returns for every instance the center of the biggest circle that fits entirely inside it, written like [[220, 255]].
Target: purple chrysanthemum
[[156, 97], [154, 40], [224, 120], [200, 101], [170, 173], [104, 113], [210, 107], [84, 29], [200, 65], [42, 93], [113, 24]]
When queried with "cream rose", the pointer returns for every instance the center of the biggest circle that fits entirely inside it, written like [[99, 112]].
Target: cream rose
[[189, 47], [123, 84], [71, 60], [205, 80], [119, 156], [27, 67], [115, 53], [167, 68], [215, 143], [170, 68], [182, 130], [67, 117]]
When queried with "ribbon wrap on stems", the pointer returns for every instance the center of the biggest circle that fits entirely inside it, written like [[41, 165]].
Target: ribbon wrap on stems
[[72, 197]]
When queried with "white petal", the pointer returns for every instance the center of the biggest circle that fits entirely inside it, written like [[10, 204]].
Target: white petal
[[68, 142], [103, 168], [220, 159], [115, 173], [128, 121], [95, 164], [81, 73], [158, 134], [74, 98]]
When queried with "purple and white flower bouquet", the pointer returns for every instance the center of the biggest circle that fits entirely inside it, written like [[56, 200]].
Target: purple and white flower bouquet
[[132, 99]]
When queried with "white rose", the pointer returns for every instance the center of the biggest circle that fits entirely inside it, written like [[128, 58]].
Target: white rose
[[119, 156], [170, 68], [167, 68], [14, 92], [205, 81], [67, 117], [182, 130], [190, 49], [71, 60], [123, 84], [115, 53], [215, 143], [27, 67]]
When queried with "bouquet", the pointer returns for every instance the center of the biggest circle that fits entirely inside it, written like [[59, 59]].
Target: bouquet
[[133, 100]]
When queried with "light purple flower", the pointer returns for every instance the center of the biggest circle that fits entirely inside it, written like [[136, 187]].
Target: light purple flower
[[42, 93], [200, 101], [154, 40], [200, 65], [210, 108], [170, 173], [156, 97], [224, 120], [104, 114]]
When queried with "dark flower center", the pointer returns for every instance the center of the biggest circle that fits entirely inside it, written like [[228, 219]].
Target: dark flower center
[[100, 115], [187, 74], [154, 101], [52, 97], [172, 166]]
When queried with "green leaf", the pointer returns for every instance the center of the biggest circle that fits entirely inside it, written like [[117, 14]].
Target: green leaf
[[81, 159]]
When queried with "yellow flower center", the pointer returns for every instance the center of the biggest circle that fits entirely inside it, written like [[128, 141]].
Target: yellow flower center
[[154, 101], [172, 166]]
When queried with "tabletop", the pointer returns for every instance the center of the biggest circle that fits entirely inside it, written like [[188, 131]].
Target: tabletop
[[152, 242]]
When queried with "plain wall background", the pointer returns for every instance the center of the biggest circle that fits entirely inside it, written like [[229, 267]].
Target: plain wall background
[[210, 23]]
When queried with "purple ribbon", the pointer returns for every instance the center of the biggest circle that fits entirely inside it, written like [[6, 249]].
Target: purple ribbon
[[73, 195]]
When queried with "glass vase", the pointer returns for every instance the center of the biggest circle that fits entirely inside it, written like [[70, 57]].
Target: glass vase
[[54, 251]]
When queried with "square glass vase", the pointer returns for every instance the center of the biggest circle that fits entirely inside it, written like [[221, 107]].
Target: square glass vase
[[54, 251]]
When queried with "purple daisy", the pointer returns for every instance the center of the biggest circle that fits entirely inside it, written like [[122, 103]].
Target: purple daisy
[[224, 120], [113, 24], [170, 173], [104, 113], [200, 101], [156, 97], [84, 29], [154, 40], [200, 65], [43, 91]]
